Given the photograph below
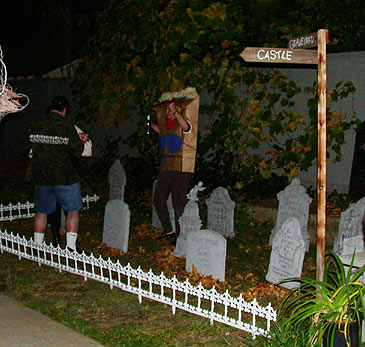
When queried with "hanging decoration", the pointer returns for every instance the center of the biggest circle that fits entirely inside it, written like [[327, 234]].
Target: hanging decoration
[[9, 100]]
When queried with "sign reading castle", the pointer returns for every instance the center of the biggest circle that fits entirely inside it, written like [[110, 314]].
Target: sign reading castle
[[279, 55]]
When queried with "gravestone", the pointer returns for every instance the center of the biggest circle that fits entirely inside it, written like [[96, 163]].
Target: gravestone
[[353, 244], [116, 224], [189, 221], [155, 220], [357, 181], [117, 180], [351, 226], [221, 212], [206, 251], [287, 254], [293, 202]]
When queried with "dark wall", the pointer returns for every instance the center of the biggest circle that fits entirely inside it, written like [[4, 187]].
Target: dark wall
[[40, 92]]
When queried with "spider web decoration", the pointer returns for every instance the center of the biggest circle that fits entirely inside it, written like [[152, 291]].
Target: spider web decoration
[[9, 100]]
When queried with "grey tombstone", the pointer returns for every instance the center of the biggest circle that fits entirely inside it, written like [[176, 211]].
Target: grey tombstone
[[117, 180], [116, 224], [353, 244], [293, 202], [155, 220], [206, 251], [350, 230], [189, 221], [221, 212], [287, 254]]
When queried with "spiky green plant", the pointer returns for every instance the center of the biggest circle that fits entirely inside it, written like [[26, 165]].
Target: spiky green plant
[[281, 335], [332, 303]]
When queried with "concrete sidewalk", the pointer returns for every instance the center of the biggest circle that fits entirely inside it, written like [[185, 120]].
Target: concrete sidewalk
[[22, 326]]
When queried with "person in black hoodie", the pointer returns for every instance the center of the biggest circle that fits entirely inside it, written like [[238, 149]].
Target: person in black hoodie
[[54, 142]]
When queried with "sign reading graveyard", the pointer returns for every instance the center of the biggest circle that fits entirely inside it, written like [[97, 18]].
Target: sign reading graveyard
[[303, 56], [279, 55], [304, 41]]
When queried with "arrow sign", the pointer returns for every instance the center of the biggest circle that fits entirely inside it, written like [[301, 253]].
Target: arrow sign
[[279, 55], [305, 41]]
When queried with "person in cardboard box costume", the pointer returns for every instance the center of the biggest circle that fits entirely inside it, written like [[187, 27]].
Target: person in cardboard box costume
[[177, 118]]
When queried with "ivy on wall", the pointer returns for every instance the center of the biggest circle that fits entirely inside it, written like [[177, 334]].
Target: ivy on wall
[[146, 47]]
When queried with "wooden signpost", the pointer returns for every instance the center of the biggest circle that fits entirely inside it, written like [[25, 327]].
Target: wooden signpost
[[279, 55], [294, 55]]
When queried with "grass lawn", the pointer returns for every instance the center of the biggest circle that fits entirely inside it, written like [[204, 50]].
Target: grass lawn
[[114, 317]]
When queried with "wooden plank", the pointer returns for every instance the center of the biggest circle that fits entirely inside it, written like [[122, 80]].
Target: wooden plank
[[322, 154], [279, 55], [305, 41]]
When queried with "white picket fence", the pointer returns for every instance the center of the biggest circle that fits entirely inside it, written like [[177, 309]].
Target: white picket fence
[[208, 303], [19, 211]]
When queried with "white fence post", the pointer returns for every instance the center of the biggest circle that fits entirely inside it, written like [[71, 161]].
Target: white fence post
[[7, 213], [61, 259]]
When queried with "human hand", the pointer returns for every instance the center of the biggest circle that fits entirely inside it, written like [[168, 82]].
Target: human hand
[[172, 107], [84, 137], [155, 128]]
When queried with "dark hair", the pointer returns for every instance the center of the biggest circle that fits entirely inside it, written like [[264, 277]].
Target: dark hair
[[59, 103]]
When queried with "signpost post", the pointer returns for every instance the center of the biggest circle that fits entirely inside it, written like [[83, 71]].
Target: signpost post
[[322, 153], [292, 55]]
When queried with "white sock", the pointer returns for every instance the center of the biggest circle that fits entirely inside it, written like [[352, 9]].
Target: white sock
[[38, 238], [71, 240]]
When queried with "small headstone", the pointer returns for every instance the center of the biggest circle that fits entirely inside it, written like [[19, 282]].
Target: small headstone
[[351, 226], [221, 212], [353, 244], [116, 224], [117, 180], [206, 250], [287, 254], [189, 221], [293, 202], [155, 220]]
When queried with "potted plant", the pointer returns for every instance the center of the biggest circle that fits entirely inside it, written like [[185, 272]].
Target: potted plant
[[333, 307]]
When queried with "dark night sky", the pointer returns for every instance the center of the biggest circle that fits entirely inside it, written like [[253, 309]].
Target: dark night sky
[[41, 35]]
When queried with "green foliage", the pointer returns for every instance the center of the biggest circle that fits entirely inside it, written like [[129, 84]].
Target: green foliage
[[263, 116], [146, 47], [336, 301], [282, 335]]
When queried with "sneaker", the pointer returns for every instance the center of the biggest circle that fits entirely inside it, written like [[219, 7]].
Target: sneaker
[[166, 236]]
